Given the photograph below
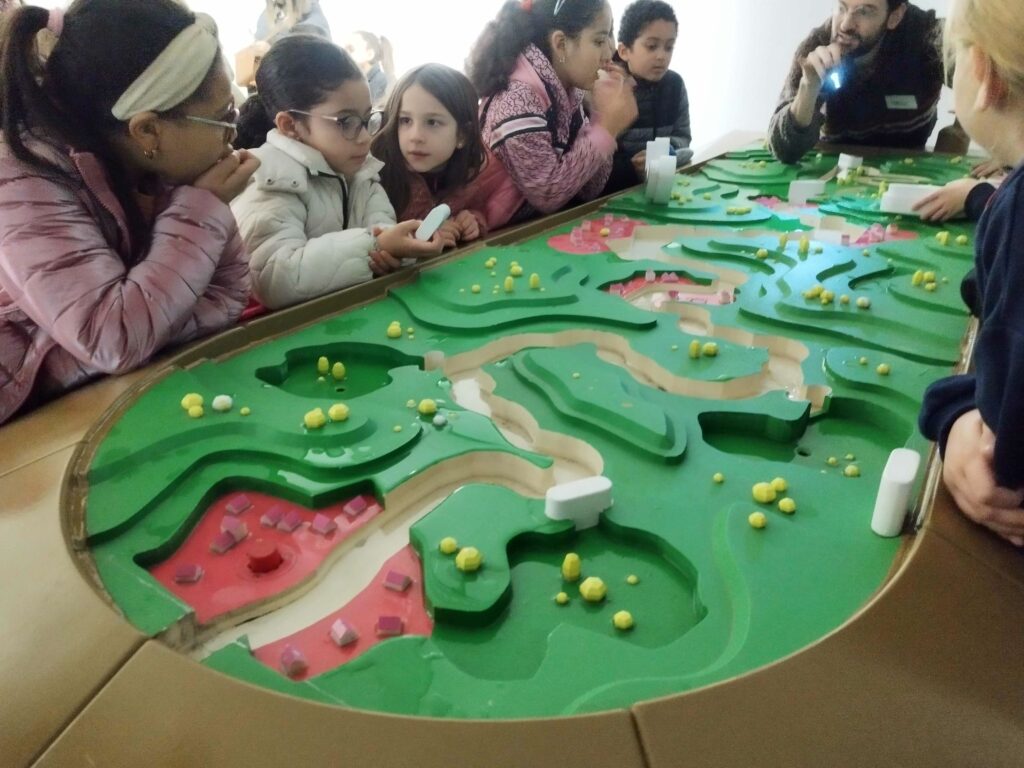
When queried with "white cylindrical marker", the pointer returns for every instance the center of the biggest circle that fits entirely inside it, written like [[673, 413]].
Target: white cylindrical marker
[[898, 480]]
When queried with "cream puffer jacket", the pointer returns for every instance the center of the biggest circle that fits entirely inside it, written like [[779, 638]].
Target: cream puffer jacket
[[293, 221]]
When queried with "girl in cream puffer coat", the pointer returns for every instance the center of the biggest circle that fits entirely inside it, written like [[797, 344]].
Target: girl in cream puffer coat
[[315, 218], [304, 241]]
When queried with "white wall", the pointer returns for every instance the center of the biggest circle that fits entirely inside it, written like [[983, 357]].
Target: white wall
[[733, 54]]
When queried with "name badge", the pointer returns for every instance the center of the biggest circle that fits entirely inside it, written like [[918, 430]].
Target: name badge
[[901, 102]]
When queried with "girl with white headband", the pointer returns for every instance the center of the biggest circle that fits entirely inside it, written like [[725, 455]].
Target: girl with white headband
[[116, 169]]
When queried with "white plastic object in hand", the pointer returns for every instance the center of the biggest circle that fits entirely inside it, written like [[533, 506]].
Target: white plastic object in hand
[[901, 198], [581, 501], [802, 191], [433, 221], [898, 480]]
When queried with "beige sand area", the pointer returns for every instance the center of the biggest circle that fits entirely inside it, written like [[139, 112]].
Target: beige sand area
[[929, 673]]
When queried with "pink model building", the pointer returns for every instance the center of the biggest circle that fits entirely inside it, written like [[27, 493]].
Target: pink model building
[[273, 516], [238, 504], [188, 573], [390, 626], [235, 527], [293, 662], [397, 581], [343, 634], [222, 543], [323, 524], [356, 507], [290, 521]]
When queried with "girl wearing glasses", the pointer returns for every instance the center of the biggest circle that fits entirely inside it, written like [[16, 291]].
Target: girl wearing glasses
[[116, 168], [315, 217], [531, 66]]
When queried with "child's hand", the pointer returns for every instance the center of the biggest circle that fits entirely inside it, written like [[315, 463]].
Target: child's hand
[[614, 102], [640, 164], [383, 263], [968, 474], [228, 177], [400, 241], [469, 227], [948, 202], [986, 169], [449, 234]]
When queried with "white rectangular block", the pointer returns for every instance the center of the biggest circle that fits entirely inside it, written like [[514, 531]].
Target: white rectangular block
[[661, 180], [898, 480], [658, 148], [581, 501], [901, 198], [801, 191], [850, 162]]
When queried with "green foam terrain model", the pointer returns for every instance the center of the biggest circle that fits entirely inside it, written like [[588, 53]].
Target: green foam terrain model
[[685, 366]]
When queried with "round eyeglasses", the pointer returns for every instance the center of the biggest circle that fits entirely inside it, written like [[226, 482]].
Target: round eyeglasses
[[351, 125], [230, 125]]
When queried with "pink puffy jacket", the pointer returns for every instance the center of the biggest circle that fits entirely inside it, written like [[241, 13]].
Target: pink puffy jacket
[[70, 309]]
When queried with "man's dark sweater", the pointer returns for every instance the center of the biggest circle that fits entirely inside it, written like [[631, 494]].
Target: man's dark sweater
[[999, 355], [889, 101]]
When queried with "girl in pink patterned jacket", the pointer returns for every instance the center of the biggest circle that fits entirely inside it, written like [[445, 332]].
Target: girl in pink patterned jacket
[[115, 173], [531, 66]]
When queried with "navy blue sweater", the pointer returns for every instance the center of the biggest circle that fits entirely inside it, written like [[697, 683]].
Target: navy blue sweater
[[999, 356]]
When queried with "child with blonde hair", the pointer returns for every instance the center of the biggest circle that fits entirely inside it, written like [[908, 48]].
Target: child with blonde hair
[[978, 419]]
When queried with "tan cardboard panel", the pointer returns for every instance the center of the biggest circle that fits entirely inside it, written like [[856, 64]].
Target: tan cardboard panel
[[59, 424], [932, 674], [990, 550], [165, 710], [60, 641]]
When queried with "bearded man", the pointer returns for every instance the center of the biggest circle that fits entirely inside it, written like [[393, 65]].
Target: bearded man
[[871, 75]]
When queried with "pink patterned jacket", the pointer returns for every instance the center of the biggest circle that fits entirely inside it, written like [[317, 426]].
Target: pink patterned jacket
[[549, 169], [70, 309]]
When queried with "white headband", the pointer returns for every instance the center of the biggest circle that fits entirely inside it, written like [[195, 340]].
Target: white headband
[[175, 74]]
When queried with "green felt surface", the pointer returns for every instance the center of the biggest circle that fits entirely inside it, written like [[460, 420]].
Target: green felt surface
[[716, 598]]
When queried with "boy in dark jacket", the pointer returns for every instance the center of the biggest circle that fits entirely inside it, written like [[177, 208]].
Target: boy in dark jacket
[[647, 38]]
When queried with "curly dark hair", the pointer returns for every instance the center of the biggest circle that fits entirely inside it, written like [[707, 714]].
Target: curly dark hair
[[494, 56], [641, 13]]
